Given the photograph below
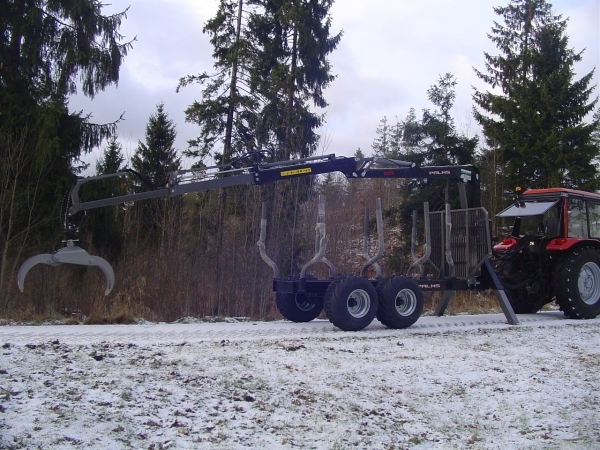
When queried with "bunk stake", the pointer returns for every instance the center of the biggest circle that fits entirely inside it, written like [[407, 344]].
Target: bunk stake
[[320, 243], [418, 263], [373, 261], [261, 242]]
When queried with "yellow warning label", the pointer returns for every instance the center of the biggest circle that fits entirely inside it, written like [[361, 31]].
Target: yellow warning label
[[287, 173]]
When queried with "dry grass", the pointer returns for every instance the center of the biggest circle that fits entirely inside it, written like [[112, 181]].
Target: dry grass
[[128, 306], [465, 302], [29, 315], [122, 317]]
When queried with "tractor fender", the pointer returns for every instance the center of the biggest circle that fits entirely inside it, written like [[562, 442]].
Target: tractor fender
[[563, 244]]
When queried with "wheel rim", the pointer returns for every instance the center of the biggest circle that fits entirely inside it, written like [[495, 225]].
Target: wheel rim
[[304, 305], [406, 302], [589, 283], [358, 303]]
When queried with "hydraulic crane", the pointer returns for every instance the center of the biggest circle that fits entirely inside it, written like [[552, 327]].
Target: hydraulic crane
[[456, 256]]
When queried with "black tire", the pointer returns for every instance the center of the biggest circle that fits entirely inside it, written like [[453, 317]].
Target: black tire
[[299, 307], [400, 302], [532, 292], [577, 284], [522, 302], [351, 302]]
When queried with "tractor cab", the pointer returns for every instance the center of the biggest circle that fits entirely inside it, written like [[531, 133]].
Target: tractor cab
[[558, 217]]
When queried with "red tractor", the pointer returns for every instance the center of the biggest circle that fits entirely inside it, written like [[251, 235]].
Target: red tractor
[[553, 252]]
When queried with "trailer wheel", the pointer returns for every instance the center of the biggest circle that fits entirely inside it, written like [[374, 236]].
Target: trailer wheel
[[298, 307], [400, 302], [577, 284], [351, 302]]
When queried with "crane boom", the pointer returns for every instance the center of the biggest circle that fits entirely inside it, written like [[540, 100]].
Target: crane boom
[[300, 291]]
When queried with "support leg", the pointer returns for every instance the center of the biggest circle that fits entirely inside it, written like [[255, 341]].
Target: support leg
[[443, 304], [511, 317]]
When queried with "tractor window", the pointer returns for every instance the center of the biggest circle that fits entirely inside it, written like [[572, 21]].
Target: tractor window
[[594, 215], [544, 224], [577, 218]]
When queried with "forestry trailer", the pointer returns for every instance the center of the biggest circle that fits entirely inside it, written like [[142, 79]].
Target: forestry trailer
[[456, 252]]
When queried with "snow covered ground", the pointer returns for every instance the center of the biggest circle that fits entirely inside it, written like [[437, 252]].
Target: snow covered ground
[[454, 382]]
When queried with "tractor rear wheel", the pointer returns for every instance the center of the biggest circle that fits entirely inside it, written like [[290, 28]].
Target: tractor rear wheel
[[577, 284], [351, 302], [299, 307], [400, 302]]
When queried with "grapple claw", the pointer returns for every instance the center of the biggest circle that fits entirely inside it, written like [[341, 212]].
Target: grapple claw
[[45, 258], [71, 254]]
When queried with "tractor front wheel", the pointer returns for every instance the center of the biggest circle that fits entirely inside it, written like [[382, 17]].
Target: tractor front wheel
[[526, 299], [577, 284], [526, 289]]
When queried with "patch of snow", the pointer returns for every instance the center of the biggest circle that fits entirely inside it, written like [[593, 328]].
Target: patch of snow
[[453, 382]]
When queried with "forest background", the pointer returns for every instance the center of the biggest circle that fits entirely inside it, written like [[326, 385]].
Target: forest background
[[265, 94]]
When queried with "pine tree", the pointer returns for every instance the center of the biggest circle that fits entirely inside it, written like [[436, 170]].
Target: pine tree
[[538, 122], [433, 140], [226, 114]]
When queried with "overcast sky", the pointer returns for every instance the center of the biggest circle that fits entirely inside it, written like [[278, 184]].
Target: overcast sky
[[391, 52]]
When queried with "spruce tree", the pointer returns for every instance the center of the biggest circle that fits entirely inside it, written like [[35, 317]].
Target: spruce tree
[[435, 141], [381, 143], [48, 51], [155, 160], [103, 228], [291, 70], [388, 143], [445, 146], [112, 158], [538, 121], [431, 140]]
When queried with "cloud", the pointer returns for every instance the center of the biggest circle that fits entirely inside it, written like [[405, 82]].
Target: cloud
[[391, 52]]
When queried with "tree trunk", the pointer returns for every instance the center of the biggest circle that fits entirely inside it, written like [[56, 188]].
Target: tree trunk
[[289, 144], [17, 165], [232, 89]]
